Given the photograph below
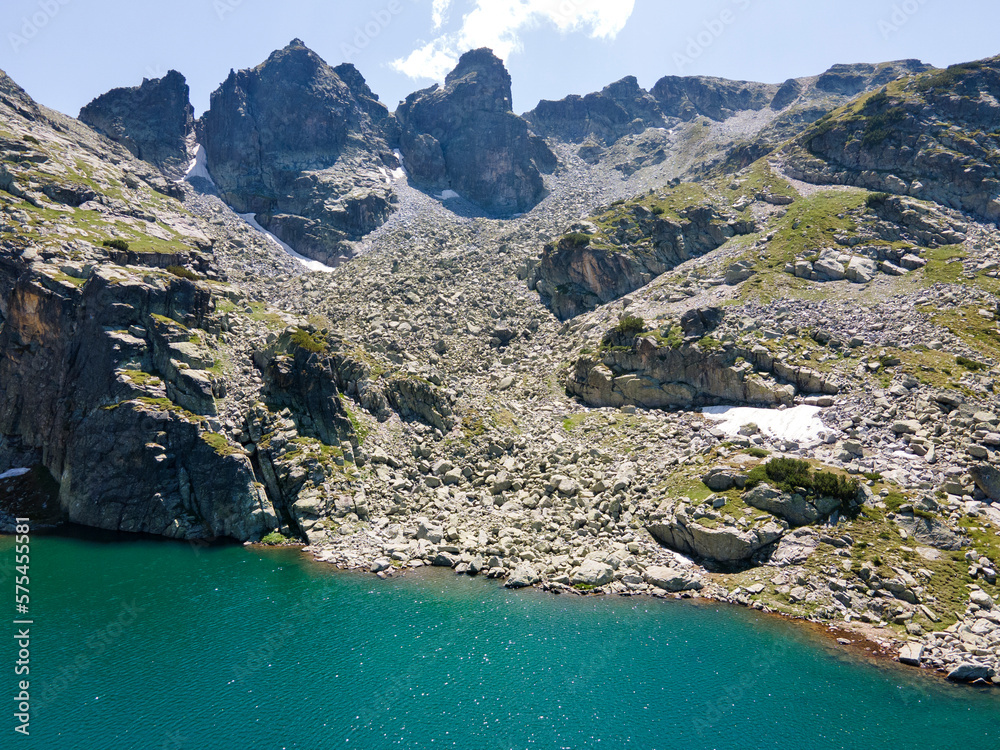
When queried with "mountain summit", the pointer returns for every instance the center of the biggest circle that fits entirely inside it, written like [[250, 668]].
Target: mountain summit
[[463, 136], [301, 148]]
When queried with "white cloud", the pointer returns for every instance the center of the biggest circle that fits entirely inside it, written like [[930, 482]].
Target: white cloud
[[438, 11], [497, 24]]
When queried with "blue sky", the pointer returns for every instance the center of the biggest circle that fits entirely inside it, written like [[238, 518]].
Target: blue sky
[[65, 52]]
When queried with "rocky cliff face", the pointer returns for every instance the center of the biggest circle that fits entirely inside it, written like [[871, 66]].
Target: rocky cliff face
[[619, 109], [119, 370], [154, 121], [303, 149], [85, 327], [665, 368], [592, 265], [931, 136], [464, 137]]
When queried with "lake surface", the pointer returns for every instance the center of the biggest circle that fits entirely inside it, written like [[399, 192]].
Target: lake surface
[[150, 644]]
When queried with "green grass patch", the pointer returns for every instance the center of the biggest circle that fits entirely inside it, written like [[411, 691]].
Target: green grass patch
[[944, 265], [219, 444], [275, 538], [310, 341], [360, 428], [142, 379]]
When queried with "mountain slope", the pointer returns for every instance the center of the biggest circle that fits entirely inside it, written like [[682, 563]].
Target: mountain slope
[[543, 398], [931, 136]]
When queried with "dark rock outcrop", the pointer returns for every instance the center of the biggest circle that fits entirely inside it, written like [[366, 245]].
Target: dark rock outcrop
[[852, 79], [154, 120], [303, 149], [619, 109], [464, 137], [76, 383], [687, 97], [987, 479]]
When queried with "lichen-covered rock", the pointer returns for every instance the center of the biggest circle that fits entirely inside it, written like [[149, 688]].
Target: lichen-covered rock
[[674, 528], [646, 371], [797, 509], [671, 578], [929, 531]]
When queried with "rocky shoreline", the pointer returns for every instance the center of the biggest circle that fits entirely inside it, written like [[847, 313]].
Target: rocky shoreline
[[867, 642]]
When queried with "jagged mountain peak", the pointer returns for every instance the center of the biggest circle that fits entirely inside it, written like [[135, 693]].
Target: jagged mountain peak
[[465, 137], [153, 120], [480, 61], [281, 134]]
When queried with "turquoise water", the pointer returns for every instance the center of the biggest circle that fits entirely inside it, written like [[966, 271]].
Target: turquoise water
[[148, 644]]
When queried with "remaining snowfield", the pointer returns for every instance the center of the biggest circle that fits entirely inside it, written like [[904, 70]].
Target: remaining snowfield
[[800, 424]]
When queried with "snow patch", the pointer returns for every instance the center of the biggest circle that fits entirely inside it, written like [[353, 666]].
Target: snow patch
[[399, 172], [198, 166], [312, 265], [14, 473], [800, 424], [446, 194]]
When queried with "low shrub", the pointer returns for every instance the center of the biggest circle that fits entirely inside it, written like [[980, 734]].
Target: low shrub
[[311, 342], [577, 239], [182, 272], [795, 475], [971, 364], [874, 200], [116, 243]]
